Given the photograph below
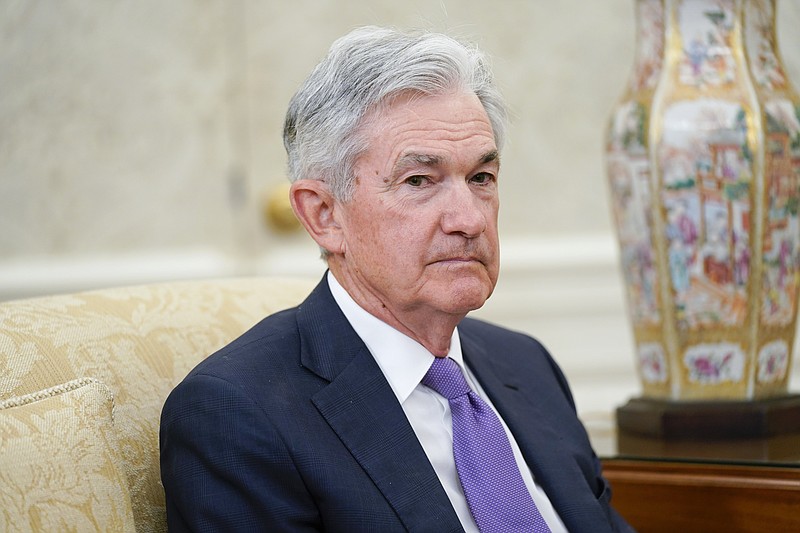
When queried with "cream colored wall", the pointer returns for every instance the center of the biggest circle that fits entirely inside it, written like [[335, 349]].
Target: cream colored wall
[[137, 139], [138, 126]]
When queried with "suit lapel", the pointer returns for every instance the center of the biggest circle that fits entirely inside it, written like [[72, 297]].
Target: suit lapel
[[361, 408], [536, 434]]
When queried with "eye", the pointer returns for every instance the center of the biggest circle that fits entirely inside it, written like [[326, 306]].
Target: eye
[[416, 181], [482, 178]]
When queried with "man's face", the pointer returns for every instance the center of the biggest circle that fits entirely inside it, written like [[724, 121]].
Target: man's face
[[420, 233]]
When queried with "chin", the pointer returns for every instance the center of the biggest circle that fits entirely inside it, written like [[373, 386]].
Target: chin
[[468, 299]]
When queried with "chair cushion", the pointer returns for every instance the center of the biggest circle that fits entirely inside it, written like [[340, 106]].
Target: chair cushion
[[59, 464]]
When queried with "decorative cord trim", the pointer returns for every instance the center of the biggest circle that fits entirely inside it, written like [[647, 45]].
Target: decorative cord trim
[[43, 394]]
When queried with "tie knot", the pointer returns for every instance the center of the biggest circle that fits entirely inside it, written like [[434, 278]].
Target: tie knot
[[445, 377]]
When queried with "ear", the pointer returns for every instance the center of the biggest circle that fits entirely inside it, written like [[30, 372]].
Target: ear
[[314, 205]]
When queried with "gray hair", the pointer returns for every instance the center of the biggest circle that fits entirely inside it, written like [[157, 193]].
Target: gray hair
[[364, 70]]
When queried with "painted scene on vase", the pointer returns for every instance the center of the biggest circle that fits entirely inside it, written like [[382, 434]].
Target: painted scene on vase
[[781, 247], [649, 46], [629, 180], [707, 30], [706, 176]]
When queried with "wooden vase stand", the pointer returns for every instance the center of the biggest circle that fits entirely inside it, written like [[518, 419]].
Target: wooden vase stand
[[710, 420]]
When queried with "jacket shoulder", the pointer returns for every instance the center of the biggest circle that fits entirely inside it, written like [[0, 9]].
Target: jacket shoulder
[[275, 335]]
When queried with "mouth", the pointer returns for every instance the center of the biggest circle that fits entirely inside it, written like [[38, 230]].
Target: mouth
[[455, 261], [471, 254]]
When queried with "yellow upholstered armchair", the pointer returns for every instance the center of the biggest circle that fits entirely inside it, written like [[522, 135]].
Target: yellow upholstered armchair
[[82, 381]]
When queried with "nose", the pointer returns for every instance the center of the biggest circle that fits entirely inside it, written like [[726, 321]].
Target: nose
[[464, 212]]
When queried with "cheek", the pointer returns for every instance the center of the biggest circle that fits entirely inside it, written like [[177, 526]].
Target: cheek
[[374, 243]]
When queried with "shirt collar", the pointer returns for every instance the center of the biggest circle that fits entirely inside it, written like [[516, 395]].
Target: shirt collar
[[402, 360]]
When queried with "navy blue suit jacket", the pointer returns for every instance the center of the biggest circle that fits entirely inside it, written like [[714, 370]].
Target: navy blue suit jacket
[[293, 427]]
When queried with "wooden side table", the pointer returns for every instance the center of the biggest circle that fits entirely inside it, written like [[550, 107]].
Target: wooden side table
[[688, 485], [683, 496]]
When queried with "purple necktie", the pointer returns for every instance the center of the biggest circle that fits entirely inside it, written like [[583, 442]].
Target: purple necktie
[[496, 494]]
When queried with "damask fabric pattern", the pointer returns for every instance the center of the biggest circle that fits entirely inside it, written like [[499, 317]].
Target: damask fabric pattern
[[62, 440], [139, 342]]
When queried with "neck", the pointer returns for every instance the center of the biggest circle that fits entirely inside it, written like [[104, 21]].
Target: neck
[[432, 329]]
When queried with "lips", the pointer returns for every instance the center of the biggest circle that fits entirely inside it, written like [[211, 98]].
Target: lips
[[464, 252], [459, 260], [456, 260], [474, 255]]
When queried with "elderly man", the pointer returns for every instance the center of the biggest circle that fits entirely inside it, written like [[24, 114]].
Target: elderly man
[[376, 405]]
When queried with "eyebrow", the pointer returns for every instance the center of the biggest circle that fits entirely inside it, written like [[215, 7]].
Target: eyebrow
[[490, 156]]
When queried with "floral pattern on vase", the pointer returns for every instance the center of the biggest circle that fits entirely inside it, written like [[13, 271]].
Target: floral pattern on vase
[[652, 363], [773, 362], [715, 363]]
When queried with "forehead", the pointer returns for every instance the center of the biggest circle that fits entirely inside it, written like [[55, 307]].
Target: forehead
[[436, 125]]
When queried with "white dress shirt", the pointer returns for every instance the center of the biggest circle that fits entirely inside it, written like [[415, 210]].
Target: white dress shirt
[[404, 363]]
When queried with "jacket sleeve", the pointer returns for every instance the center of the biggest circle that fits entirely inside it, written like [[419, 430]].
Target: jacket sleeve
[[224, 466]]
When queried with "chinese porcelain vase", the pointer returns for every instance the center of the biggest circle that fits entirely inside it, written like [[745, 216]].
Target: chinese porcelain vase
[[703, 162]]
